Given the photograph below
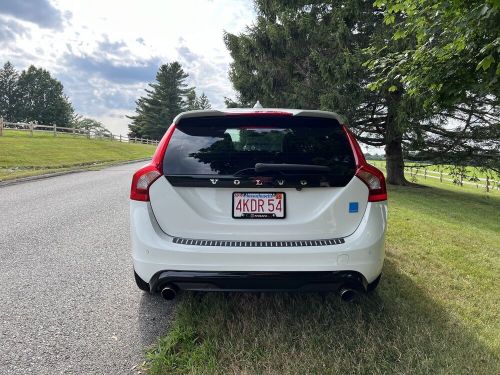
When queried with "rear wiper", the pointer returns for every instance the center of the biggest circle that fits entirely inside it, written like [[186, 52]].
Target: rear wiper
[[243, 171], [269, 167]]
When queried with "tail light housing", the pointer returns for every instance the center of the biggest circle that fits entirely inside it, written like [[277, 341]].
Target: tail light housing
[[144, 177], [372, 177], [375, 180]]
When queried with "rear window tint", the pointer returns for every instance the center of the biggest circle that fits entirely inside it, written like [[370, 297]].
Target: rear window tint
[[232, 145]]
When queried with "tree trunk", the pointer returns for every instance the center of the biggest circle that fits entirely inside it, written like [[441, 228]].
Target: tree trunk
[[394, 163]]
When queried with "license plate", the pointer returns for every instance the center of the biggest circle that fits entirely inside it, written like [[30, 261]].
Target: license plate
[[258, 205]]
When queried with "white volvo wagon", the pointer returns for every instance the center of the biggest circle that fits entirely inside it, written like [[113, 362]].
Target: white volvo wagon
[[257, 200]]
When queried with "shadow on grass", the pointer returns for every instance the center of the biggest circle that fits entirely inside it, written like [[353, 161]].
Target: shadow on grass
[[398, 329]]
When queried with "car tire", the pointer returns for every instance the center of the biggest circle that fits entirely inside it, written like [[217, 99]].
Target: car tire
[[373, 285], [141, 284]]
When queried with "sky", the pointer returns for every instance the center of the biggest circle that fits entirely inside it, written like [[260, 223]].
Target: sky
[[106, 52]]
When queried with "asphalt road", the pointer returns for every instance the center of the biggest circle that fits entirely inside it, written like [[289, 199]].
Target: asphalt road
[[68, 301]]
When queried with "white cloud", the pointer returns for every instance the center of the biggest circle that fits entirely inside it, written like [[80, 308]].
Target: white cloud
[[105, 52]]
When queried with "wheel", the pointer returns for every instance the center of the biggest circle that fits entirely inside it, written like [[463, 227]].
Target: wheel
[[373, 285], [141, 284]]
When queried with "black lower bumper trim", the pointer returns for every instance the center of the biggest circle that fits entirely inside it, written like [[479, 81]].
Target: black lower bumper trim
[[258, 281], [224, 243]]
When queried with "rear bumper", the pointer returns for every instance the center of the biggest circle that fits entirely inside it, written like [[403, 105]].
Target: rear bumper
[[258, 281], [154, 252]]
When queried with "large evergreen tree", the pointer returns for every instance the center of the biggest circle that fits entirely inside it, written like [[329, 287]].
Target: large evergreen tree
[[311, 54], [165, 99], [9, 92]]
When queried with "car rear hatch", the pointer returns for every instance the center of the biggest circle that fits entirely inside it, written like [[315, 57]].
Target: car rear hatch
[[259, 177]]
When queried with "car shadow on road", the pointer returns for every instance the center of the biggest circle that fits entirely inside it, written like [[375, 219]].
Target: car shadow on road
[[154, 317]]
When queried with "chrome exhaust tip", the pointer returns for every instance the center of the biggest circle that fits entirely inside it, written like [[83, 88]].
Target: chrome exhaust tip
[[168, 292], [347, 294]]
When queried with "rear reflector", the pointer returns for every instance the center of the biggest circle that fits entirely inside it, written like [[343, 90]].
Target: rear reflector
[[372, 177]]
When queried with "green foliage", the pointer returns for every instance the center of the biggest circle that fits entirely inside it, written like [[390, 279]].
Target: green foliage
[[90, 125], [456, 51], [195, 102], [164, 100], [230, 103], [42, 99], [33, 96], [9, 92], [202, 102], [369, 156], [453, 65]]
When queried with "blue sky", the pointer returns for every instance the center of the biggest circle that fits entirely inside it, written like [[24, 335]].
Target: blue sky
[[106, 52]]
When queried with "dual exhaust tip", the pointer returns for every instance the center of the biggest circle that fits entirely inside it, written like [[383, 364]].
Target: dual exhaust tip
[[169, 292], [347, 294]]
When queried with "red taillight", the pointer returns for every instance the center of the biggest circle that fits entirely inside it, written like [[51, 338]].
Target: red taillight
[[375, 181], [372, 177], [141, 182], [144, 177]]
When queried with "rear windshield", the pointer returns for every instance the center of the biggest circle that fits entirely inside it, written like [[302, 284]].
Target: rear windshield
[[232, 145]]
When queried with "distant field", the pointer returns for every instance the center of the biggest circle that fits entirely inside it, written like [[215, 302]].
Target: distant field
[[433, 176], [435, 311], [445, 168], [22, 155]]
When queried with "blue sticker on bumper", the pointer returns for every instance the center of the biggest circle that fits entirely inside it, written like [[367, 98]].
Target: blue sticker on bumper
[[353, 207]]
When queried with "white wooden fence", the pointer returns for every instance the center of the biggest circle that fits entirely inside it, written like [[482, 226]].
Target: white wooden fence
[[32, 128], [459, 179]]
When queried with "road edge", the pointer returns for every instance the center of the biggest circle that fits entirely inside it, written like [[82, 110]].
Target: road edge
[[44, 176]]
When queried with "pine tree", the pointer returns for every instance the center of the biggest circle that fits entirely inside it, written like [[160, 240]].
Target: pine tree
[[344, 56], [312, 56], [9, 92], [168, 96], [203, 102], [191, 101], [194, 102]]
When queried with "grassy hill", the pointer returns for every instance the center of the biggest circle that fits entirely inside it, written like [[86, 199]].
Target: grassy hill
[[435, 311], [22, 155]]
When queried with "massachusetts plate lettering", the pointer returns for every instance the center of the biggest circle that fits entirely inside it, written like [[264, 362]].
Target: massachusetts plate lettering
[[258, 205]]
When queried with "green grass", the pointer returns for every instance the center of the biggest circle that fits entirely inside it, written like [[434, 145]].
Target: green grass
[[22, 155], [436, 310]]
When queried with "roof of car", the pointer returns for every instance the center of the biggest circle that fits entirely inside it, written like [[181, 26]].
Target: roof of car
[[256, 111]]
